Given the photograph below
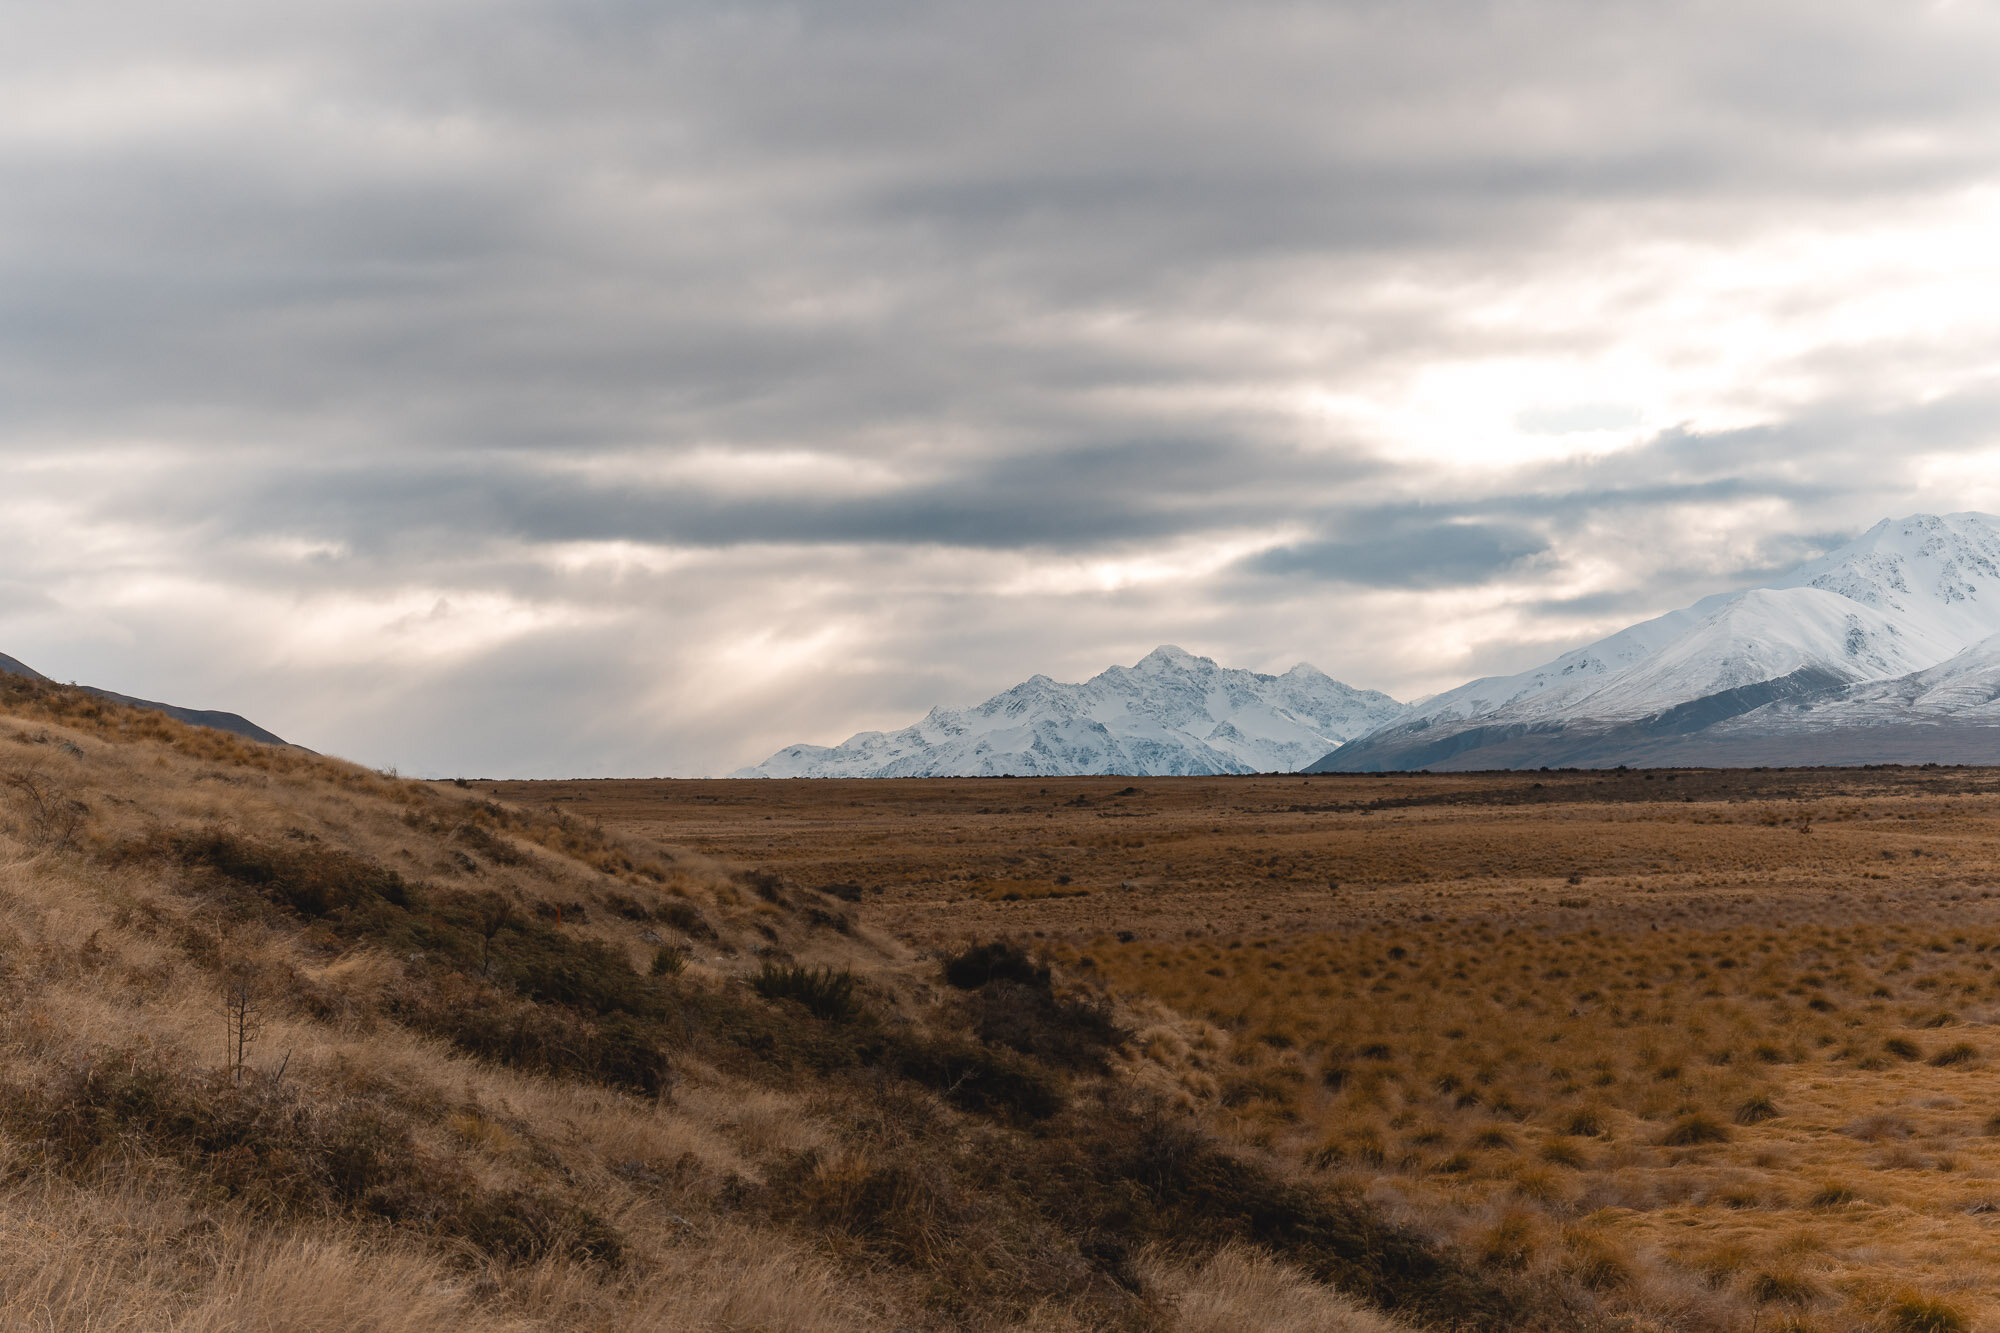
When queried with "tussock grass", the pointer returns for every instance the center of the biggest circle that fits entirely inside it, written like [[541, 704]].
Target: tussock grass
[[505, 1069], [1462, 1067], [1378, 984]]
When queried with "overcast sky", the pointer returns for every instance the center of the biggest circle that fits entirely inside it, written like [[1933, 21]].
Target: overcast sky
[[561, 387]]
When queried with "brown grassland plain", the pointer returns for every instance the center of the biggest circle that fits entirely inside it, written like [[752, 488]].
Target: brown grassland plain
[[1696, 1050], [289, 1044]]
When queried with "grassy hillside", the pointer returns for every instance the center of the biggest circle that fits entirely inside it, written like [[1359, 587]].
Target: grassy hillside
[[286, 1043]]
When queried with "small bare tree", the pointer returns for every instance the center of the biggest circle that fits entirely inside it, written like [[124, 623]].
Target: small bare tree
[[243, 1022], [55, 817]]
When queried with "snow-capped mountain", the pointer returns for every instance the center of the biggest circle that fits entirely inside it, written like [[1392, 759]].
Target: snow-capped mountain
[[1171, 714], [1855, 639]]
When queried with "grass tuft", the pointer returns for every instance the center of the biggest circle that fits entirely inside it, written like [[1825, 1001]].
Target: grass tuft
[[1697, 1127], [1911, 1311], [1958, 1053], [1755, 1110]]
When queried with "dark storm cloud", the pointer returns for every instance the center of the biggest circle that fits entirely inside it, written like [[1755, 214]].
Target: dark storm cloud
[[377, 304], [1405, 552], [1074, 499]]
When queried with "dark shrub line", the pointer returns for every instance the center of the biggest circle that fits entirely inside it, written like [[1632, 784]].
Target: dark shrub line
[[492, 980], [275, 1151]]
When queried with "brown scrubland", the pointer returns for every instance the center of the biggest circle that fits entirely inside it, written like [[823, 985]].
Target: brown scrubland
[[1670, 1050], [292, 1044]]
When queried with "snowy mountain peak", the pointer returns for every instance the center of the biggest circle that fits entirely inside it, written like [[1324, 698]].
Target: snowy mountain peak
[[1944, 570], [1170, 657], [1171, 713], [1903, 597]]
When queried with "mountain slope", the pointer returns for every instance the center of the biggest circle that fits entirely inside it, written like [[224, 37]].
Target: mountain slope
[[234, 723], [1737, 677], [1172, 713]]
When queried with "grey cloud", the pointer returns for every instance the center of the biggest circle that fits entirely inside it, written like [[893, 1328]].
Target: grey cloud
[[1080, 499], [1408, 555], [396, 278]]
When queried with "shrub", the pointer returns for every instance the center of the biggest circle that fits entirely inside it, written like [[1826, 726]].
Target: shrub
[[497, 850], [976, 1077], [766, 884], [524, 1226], [1124, 1167], [55, 816], [685, 917], [824, 992], [979, 964], [312, 881], [276, 1151], [1069, 1032], [669, 961], [484, 1021]]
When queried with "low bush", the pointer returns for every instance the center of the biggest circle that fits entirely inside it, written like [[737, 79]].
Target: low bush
[[1069, 1032], [484, 1021], [1130, 1170], [823, 992], [979, 964], [1012, 1003], [312, 881], [976, 1077], [495, 849], [277, 1150], [492, 980], [685, 917]]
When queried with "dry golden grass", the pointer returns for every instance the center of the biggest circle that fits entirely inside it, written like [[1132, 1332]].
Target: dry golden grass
[[1239, 1290], [98, 957], [387, 1159], [1713, 1050]]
